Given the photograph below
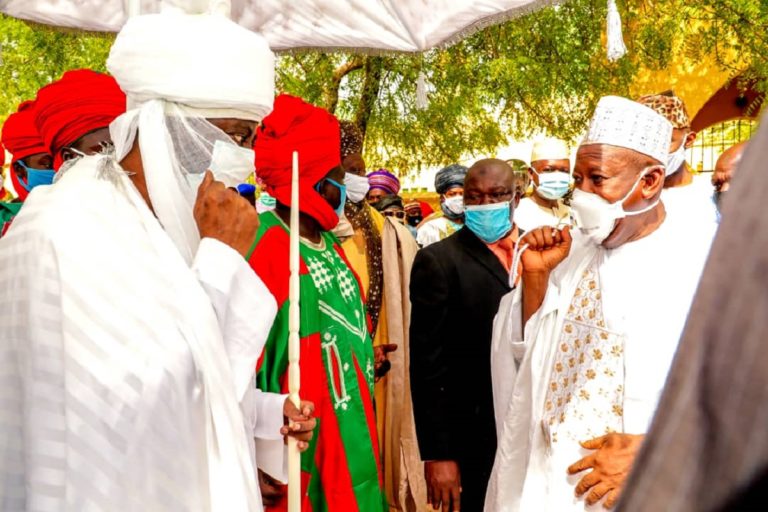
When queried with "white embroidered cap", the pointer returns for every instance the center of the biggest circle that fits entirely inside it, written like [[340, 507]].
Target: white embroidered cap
[[627, 124], [550, 149]]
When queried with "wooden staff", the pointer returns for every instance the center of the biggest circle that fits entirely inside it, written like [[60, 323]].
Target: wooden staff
[[294, 323]]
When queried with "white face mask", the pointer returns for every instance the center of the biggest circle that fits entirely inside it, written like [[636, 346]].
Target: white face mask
[[455, 204], [675, 160], [357, 187], [596, 217], [230, 163]]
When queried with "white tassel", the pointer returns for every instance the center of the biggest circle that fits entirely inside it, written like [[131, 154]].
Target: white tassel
[[422, 93], [616, 47]]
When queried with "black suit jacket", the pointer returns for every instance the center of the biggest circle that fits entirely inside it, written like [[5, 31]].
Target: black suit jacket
[[456, 287]]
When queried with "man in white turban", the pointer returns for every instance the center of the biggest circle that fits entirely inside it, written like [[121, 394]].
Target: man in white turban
[[131, 322], [591, 331]]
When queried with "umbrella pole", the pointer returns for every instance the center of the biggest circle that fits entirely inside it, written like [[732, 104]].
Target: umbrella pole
[[294, 323]]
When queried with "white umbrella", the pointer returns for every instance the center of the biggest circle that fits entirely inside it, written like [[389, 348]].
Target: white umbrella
[[374, 25]]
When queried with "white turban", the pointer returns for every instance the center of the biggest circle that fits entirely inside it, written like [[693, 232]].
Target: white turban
[[207, 62], [178, 70]]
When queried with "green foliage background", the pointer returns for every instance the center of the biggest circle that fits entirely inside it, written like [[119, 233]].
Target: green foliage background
[[540, 72]]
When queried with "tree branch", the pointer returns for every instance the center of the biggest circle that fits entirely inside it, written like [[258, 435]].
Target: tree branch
[[331, 94]]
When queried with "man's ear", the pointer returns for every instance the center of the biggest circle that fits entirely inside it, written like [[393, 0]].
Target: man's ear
[[689, 139], [653, 181], [67, 154]]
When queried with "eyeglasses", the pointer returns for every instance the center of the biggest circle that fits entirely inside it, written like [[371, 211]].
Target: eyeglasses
[[399, 214]]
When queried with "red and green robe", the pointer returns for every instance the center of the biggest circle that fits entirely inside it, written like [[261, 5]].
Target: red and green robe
[[7, 213], [340, 470]]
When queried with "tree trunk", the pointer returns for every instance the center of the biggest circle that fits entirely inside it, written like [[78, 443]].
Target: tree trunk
[[370, 93]]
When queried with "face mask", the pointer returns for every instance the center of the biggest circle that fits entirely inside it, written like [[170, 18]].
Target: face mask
[[231, 164], [36, 177], [453, 207], [342, 194], [414, 221], [357, 187], [596, 217], [553, 185], [675, 160], [490, 222]]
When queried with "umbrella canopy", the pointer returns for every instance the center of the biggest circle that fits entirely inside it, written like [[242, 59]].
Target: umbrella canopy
[[373, 25]]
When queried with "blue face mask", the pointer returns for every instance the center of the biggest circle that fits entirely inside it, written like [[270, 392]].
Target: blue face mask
[[490, 222], [342, 194], [36, 177]]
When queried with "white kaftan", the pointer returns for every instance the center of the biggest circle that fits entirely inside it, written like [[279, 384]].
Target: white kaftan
[[637, 298], [693, 204], [120, 389], [529, 215], [434, 229]]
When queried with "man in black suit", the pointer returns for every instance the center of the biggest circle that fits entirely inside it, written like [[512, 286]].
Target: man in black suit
[[456, 287]]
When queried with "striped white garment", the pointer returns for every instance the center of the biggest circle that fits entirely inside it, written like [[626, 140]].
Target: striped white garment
[[116, 392]]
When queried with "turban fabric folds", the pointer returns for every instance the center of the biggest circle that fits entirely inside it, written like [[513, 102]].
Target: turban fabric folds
[[21, 138], [384, 180], [295, 125], [80, 102], [450, 177]]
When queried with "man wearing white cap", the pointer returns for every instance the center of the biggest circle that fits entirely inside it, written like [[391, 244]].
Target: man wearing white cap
[[592, 330], [132, 322], [550, 172]]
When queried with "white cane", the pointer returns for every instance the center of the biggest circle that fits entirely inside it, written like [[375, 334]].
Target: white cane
[[294, 322]]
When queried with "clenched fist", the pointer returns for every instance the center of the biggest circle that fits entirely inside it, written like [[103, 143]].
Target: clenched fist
[[547, 247], [221, 213]]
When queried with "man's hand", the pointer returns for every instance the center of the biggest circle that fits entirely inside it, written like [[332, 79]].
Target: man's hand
[[610, 465], [299, 424], [221, 213], [443, 485], [381, 364], [272, 491], [547, 247]]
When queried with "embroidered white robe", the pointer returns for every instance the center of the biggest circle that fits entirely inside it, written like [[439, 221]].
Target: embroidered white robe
[[645, 290]]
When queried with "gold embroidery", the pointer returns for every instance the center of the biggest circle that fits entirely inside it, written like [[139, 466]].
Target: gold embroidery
[[585, 396]]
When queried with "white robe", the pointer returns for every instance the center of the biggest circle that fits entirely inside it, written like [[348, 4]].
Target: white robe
[[693, 203], [121, 366], [647, 287], [434, 230], [529, 215]]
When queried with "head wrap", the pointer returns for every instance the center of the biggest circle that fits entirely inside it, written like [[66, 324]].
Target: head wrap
[[550, 149], [384, 180], [295, 125], [413, 207], [670, 106], [388, 202], [626, 124], [351, 139], [21, 138], [206, 62], [179, 70], [450, 177], [80, 102]]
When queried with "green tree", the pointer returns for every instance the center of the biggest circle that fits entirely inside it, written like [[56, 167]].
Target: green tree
[[34, 55], [540, 72]]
